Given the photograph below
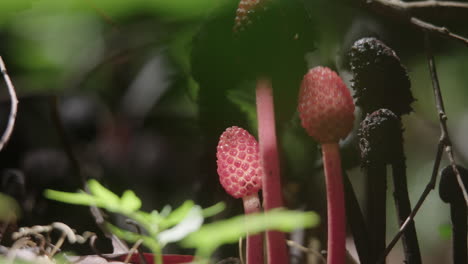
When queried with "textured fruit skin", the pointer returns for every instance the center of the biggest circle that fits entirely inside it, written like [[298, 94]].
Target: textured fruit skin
[[239, 166], [244, 12], [380, 138], [379, 78], [325, 106]]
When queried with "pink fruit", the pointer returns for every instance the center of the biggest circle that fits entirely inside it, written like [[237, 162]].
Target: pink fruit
[[240, 173], [326, 110], [325, 105], [239, 166]]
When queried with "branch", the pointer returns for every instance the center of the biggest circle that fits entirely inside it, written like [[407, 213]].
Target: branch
[[13, 107], [445, 139], [426, 5], [413, 13], [437, 9], [442, 31], [447, 10], [444, 144], [429, 187]]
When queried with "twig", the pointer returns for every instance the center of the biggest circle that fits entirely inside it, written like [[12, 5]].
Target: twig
[[306, 250], [92, 245], [442, 116], [139, 231], [412, 13], [442, 31], [427, 9], [241, 254], [444, 144], [429, 187], [426, 5], [133, 250], [13, 107], [13, 251], [59, 244]]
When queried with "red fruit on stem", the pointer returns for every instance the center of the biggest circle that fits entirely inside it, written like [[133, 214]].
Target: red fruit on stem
[[325, 105], [326, 110], [240, 173], [239, 166]]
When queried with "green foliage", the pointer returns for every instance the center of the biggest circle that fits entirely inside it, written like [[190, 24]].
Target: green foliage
[[244, 98], [101, 197], [15, 261], [162, 228], [183, 223], [9, 209], [211, 236], [445, 231], [174, 10]]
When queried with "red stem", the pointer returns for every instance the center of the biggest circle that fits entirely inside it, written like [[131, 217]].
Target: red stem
[[335, 203], [254, 242], [272, 198]]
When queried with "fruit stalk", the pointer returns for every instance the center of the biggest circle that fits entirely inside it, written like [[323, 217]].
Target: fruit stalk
[[326, 110], [450, 192], [376, 207], [254, 242], [381, 81], [403, 206], [356, 221], [272, 197], [458, 215], [335, 203]]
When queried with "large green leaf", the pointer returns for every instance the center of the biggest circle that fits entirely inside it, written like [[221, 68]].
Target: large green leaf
[[213, 235]]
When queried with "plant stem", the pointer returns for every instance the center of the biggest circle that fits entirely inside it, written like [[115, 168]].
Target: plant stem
[[272, 197], [459, 232], [403, 206], [254, 242], [155, 249], [335, 203], [376, 208], [356, 222]]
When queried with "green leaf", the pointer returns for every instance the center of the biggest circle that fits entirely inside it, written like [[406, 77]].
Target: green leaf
[[124, 234], [214, 210], [155, 217], [244, 98], [132, 237], [213, 235], [165, 211], [80, 198], [130, 202], [191, 223], [177, 215], [110, 199]]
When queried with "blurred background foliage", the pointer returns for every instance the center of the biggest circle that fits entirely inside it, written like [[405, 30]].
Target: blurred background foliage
[[137, 117]]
